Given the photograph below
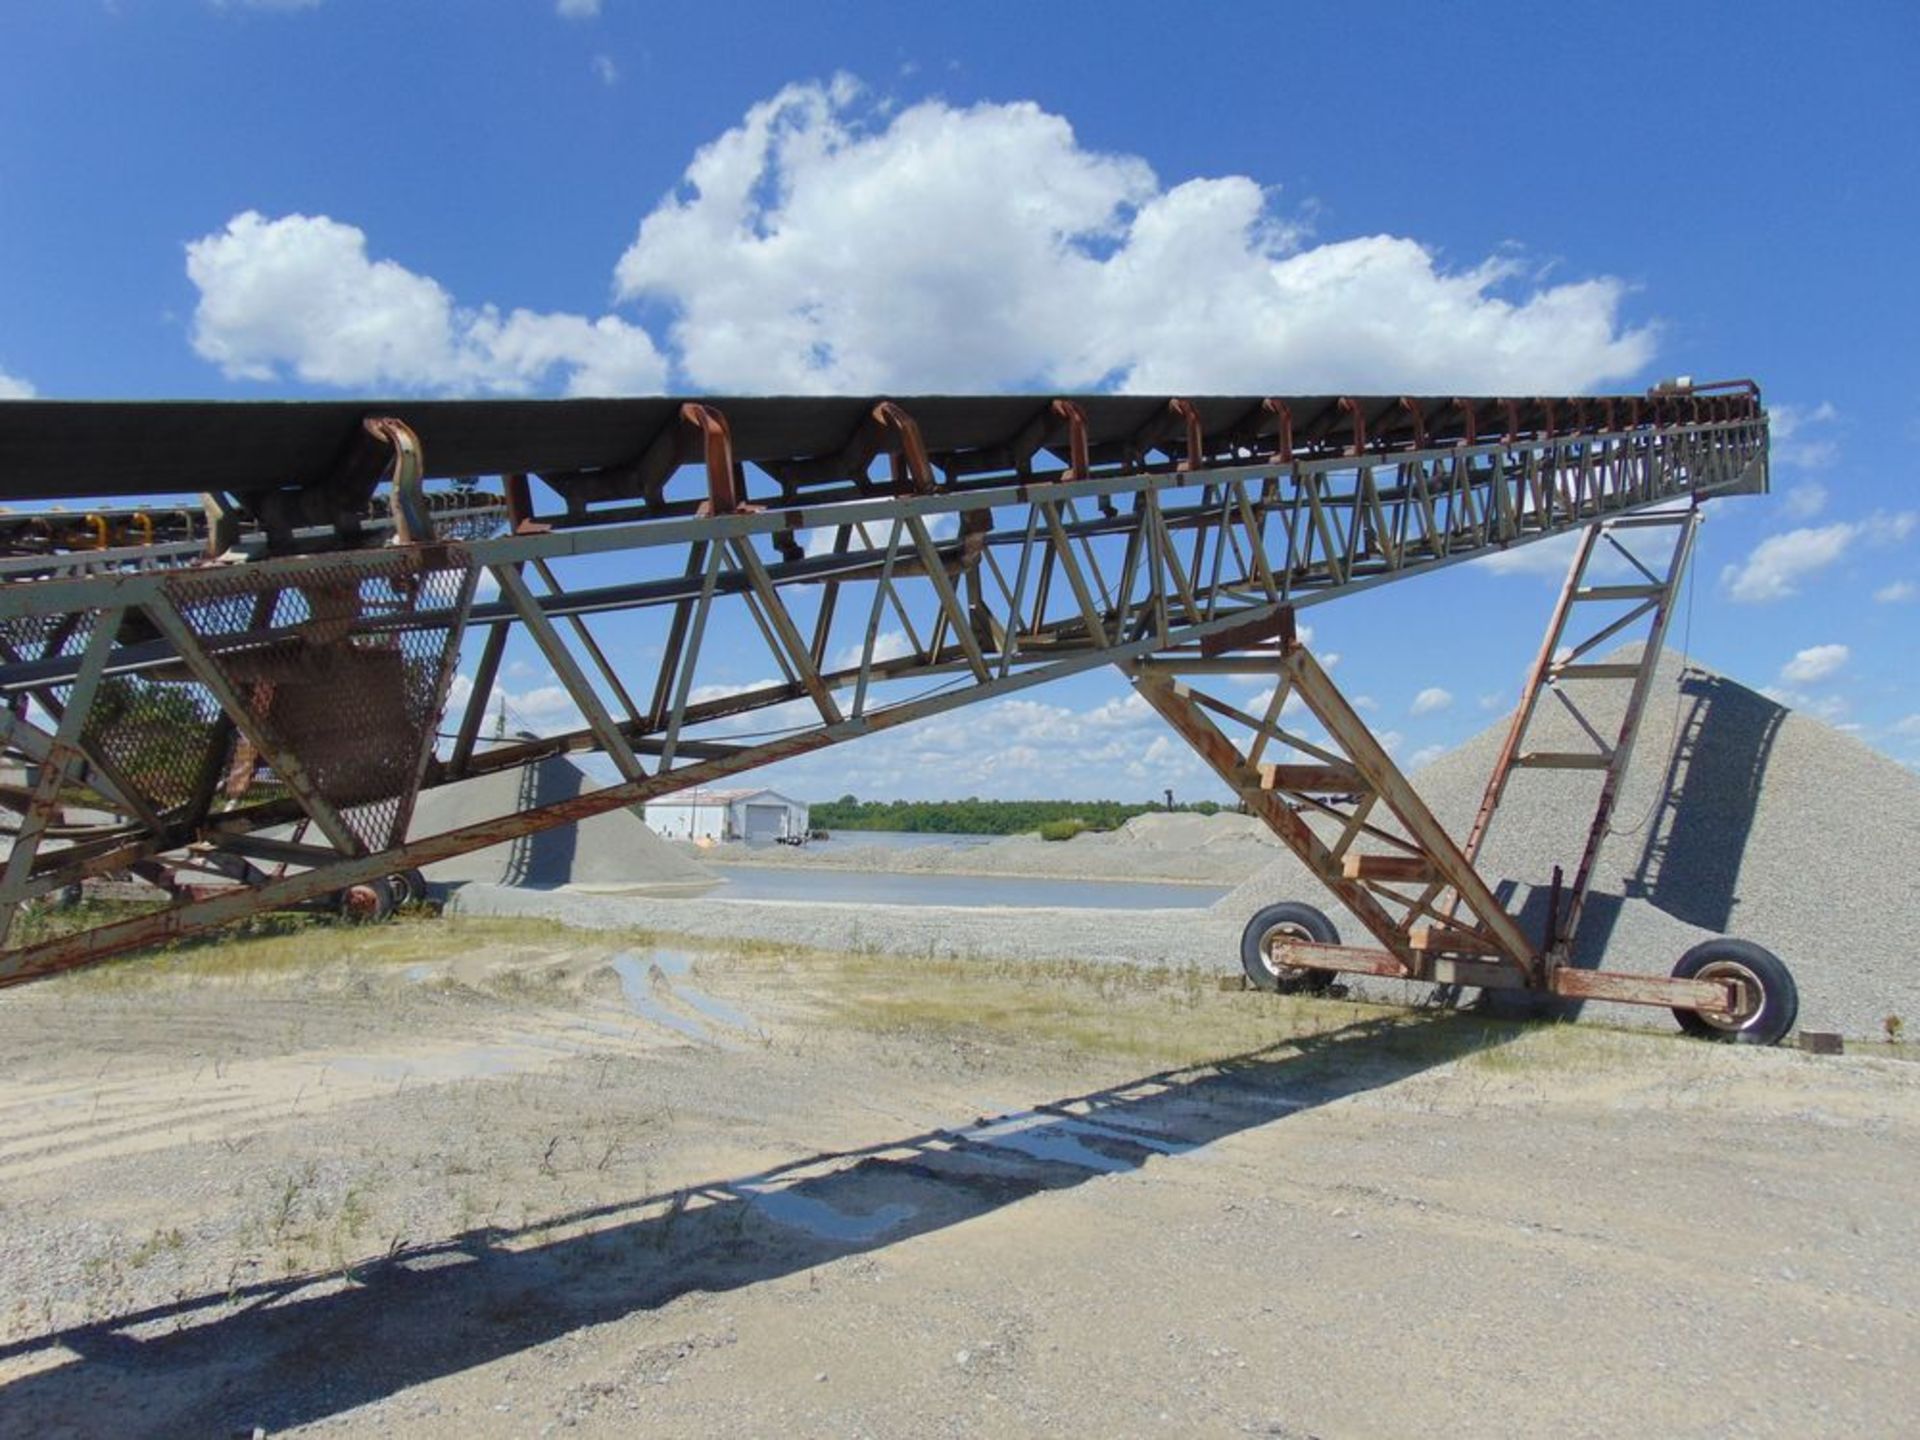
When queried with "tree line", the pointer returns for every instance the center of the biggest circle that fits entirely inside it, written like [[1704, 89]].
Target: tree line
[[973, 816]]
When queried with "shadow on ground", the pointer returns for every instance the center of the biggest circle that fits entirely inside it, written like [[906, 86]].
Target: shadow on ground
[[289, 1353]]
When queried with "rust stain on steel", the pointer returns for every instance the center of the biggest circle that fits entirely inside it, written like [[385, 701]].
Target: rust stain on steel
[[1282, 414], [1076, 418], [1274, 624], [1189, 417], [716, 436], [1349, 959], [1352, 407], [912, 470], [1716, 996]]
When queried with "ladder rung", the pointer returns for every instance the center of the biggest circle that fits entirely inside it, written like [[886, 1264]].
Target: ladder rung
[[1620, 592], [1566, 760], [1640, 522], [1596, 672], [1417, 869], [1450, 940], [1311, 779]]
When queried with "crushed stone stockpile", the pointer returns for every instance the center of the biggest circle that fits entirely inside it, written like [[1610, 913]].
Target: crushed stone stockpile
[[614, 851], [1738, 817]]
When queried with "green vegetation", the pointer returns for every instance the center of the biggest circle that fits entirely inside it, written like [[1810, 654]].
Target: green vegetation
[[1061, 829], [985, 817]]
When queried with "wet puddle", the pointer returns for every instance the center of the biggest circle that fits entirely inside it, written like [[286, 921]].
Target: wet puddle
[[642, 974], [796, 1211]]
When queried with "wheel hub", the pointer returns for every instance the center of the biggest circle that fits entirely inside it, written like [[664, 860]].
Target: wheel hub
[[1748, 994], [1280, 970]]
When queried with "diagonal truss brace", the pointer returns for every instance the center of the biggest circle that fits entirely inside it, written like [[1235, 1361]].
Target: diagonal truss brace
[[1352, 818], [1346, 811]]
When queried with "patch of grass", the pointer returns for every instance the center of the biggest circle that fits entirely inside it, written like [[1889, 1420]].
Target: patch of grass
[[158, 1243], [1061, 829]]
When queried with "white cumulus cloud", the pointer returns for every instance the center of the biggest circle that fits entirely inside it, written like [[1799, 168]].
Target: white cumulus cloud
[[1896, 591], [827, 243], [577, 9], [1780, 562], [1430, 699], [300, 295], [1806, 500], [12, 387], [1816, 662], [1798, 436]]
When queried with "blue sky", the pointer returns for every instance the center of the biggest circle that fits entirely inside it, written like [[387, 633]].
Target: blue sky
[[287, 199]]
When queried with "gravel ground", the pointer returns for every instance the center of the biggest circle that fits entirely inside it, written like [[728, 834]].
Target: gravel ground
[[1176, 938], [483, 1181]]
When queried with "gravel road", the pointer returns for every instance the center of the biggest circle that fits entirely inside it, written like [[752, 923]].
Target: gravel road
[[500, 1180]]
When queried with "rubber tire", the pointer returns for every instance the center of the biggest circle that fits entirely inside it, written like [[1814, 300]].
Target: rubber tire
[[1311, 923], [1779, 996], [382, 893], [409, 887]]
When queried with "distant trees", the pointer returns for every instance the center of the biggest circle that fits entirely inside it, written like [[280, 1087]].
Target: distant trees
[[974, 816]]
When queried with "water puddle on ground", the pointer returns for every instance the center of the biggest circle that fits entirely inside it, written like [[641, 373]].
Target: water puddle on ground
[[642, 973], [1051, 1139], [677, 965], [817, 1218]]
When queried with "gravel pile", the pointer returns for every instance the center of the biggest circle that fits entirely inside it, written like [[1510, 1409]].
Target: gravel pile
[[614, 851], [1738, 817]]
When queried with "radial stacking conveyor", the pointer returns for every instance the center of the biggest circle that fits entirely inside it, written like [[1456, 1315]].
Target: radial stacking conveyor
[[231, 662]]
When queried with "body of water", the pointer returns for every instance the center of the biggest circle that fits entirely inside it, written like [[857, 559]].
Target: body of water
[[858, 887]]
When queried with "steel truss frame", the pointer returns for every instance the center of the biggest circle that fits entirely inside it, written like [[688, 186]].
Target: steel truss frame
[[1354, 820], [979, 586]]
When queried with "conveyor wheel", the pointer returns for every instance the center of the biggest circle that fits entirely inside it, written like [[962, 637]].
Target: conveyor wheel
[[1770, 1001], [366, 904], [1288, 920], [409, 887]]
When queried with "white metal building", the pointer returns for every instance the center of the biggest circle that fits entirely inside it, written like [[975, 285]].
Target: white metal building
[[759, 817]]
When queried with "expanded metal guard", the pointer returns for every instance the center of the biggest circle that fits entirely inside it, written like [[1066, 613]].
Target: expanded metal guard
[[356, 710]]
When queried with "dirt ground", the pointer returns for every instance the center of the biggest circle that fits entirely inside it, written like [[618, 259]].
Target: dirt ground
[[458, 1178]]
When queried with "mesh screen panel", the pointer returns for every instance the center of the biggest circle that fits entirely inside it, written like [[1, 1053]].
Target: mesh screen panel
[[340, 664]]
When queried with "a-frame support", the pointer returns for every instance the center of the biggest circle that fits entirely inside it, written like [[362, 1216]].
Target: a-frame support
[[1300, 757]]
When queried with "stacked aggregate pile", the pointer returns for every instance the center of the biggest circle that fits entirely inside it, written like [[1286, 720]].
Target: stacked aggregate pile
[[613, 851], [1738, 817]]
